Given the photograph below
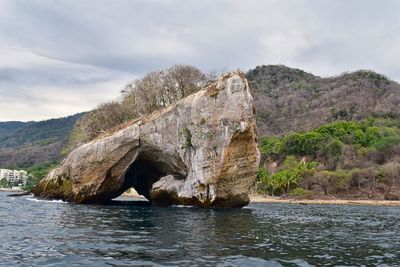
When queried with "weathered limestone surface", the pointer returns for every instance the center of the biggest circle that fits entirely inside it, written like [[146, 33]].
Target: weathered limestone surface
[[201, 151]]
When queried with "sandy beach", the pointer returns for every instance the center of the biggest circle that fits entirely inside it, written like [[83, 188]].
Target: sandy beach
[[10, 190], [268, 199]]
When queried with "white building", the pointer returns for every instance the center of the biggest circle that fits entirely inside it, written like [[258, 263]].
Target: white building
[[14, 176]]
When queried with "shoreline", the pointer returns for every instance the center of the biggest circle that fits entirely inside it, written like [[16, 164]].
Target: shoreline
[[11, 190], [269, 199], [254, 198], [359, 202]]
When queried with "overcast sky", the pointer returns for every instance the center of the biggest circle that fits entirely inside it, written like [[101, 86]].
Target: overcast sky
[[61, 57]]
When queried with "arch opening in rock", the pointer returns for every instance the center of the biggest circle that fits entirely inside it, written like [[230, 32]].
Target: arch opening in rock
[[149, 167]]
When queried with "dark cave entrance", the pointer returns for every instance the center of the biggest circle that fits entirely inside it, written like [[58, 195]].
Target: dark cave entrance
[[148, 168], [141, 175]]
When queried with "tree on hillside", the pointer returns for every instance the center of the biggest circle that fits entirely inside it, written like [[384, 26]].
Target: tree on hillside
[[156, 90], [4, 183], [162, 88], [99, 121], [185, 79]]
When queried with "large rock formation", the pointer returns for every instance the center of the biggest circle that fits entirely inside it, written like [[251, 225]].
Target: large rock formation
[[201, 151]]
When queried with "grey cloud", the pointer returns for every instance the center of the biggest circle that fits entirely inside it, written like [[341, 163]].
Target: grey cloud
[[81, 46], [47, 76]]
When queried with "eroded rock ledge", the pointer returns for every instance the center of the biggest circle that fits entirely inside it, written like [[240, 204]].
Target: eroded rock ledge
[[201, 151]]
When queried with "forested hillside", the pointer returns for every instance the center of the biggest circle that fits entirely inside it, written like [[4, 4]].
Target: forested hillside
[[27, 144], [345, 159], [10, 127], [289, 100], [325, 137]]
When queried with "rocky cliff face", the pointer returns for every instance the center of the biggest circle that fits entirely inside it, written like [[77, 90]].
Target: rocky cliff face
[[201, 151]]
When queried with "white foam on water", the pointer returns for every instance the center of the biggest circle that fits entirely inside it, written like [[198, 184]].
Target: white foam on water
[[182, 206], [43, 200]]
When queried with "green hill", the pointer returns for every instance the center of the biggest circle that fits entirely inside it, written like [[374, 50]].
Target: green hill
[[10, 127], [27, 144], [327, 137], [289, 100]]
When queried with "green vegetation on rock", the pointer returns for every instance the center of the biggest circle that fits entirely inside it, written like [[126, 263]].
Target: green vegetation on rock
[[38, 172]]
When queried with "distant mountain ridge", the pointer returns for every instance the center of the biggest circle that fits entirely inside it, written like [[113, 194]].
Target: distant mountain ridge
[[10, 127], [289, 100], [24, 144]]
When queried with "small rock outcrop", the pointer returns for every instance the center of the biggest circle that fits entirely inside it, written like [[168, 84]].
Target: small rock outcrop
[[202, 151]]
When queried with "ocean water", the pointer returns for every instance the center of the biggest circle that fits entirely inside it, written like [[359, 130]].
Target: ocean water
[[43, 233]]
